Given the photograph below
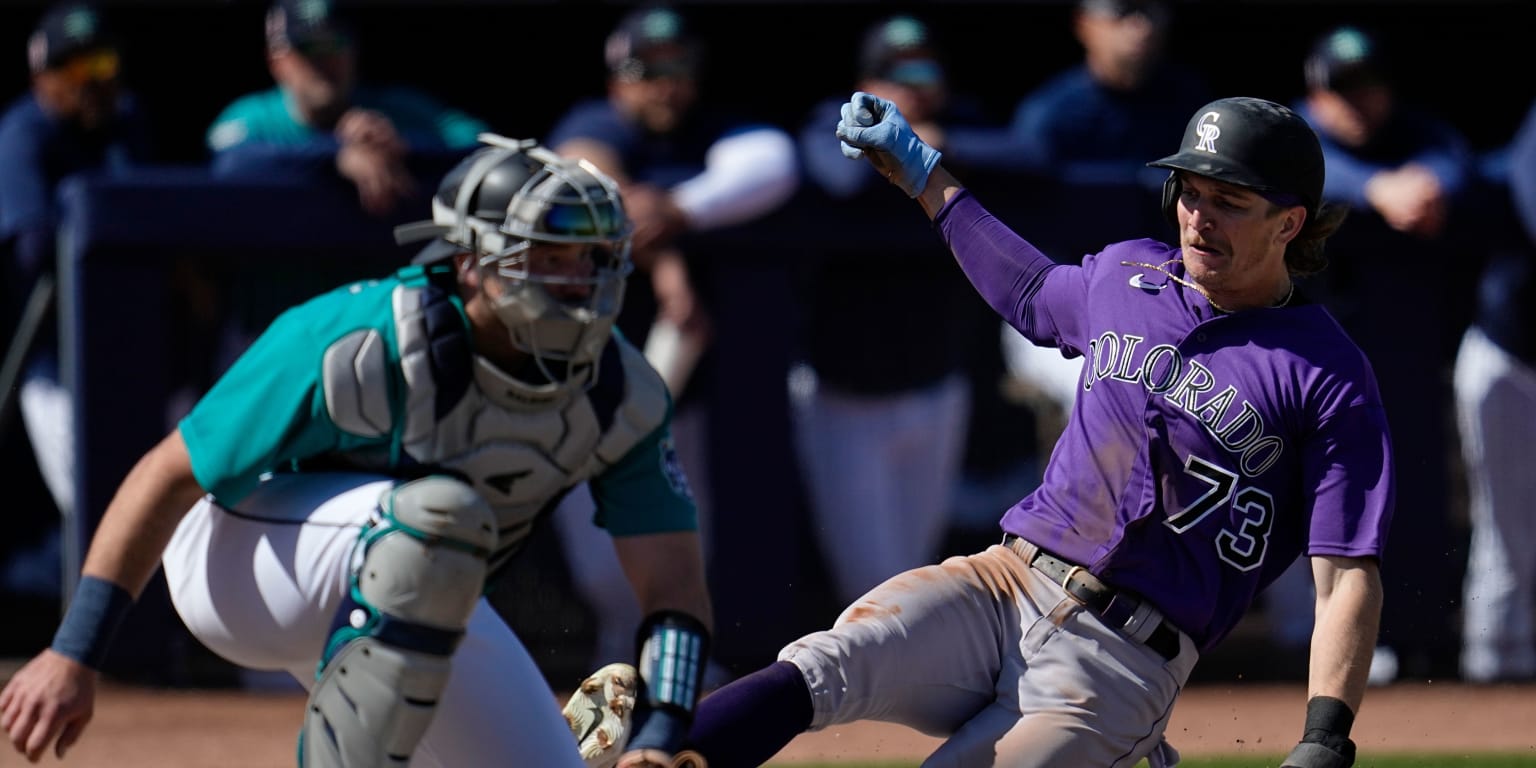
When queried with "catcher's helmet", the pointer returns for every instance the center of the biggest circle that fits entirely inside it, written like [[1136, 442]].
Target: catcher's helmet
[[501, 201], [1252, 143], [472, 199]]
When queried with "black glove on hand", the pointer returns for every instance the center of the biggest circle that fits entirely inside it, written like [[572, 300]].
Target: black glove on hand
[[1325, 743]]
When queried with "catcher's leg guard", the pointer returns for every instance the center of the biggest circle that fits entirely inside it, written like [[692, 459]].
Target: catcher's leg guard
[[417, 572]]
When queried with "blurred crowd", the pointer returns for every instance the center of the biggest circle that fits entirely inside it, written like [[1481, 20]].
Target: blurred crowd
[[846, 407]]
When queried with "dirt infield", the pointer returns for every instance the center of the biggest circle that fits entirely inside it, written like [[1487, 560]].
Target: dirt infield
[[148, 728]]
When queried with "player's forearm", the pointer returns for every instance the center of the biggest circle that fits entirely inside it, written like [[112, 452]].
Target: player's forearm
[[143, 515], [667, 572], [1349, 613], [942, 185]]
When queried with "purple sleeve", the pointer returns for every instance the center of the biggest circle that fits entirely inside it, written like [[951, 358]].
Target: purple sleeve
[[1009, 272], [1352, 482]]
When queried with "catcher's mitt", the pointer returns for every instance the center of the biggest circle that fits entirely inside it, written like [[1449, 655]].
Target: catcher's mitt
[[599, 711], [599, 715]]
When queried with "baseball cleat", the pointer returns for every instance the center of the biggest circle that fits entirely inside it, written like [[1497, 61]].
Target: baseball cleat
[[599, 714]]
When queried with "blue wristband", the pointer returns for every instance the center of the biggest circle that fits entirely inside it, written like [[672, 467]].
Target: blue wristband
[[92, 619], [673, 650]]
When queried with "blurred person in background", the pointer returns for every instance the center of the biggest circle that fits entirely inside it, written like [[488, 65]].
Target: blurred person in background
[[685, 165], [882, 399], [75, 118], [323, 124], [1495, 383], [1409, 175], [1091, 120], [688, 167], [319, 116]]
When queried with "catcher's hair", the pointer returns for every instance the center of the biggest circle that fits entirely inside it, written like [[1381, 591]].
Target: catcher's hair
[[1304, 255]]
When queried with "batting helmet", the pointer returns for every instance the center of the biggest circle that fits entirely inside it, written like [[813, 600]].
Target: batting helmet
[[497, 204], [1252, 143]]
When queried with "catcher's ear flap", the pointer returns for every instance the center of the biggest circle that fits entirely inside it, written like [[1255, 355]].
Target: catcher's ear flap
[[1171, 190]]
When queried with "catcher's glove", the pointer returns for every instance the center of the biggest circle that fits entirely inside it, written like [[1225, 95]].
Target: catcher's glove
[[599, 714]]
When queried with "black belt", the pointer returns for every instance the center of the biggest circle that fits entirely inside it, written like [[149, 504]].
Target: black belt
[[1114, 606]]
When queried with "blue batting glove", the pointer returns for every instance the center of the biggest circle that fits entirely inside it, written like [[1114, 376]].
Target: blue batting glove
[[873, 128]]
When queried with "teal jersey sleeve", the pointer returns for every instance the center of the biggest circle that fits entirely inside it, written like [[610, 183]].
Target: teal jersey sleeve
[[646, 491], [421, 120], [258, 117], [268, 410]]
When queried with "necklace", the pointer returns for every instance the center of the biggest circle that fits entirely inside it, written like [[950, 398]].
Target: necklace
[[1290, 292]]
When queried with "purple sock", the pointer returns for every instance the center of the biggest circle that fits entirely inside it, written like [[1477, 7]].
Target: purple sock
[[745, 723]]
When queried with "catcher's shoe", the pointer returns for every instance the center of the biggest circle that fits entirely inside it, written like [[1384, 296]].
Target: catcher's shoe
[[599, 714]]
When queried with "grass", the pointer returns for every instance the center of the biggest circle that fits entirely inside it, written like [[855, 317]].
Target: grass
[[1380, 761], [1450, 760]]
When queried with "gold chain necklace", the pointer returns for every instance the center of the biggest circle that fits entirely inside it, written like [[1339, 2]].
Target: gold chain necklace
[[1189, 284]]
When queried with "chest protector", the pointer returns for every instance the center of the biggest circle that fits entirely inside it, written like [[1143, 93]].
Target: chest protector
[[521, 446]]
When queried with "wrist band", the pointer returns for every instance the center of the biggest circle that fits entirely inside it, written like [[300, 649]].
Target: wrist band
[[1327, 726], [673, 650], [1325, 713], [92, 619]]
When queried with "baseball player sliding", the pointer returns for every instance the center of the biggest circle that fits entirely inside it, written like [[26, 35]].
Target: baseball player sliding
[[1224, 426], [337, 504]]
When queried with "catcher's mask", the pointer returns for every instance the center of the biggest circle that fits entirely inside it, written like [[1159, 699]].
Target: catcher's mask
[[1252, 143], [506, 203]]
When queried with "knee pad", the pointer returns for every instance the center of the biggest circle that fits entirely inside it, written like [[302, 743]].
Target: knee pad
[[417, 571]]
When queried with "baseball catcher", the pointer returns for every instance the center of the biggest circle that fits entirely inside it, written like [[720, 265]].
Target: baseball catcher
[[341, 501]]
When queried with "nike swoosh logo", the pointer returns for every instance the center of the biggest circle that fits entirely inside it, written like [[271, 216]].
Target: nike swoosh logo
[[597, 719], [1136, 282], [504, 481]]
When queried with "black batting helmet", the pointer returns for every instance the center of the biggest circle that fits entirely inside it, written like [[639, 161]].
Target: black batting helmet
[[1252, 143]]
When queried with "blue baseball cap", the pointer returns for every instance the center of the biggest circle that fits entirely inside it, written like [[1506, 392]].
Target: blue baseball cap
[[652, 41], [1344, 58], [65, 30], [901, 49], [303, 24]]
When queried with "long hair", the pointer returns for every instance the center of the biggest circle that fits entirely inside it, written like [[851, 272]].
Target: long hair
[[1304, 254]]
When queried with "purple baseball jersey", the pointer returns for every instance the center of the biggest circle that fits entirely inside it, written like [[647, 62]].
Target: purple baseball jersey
[[1206, 451]]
